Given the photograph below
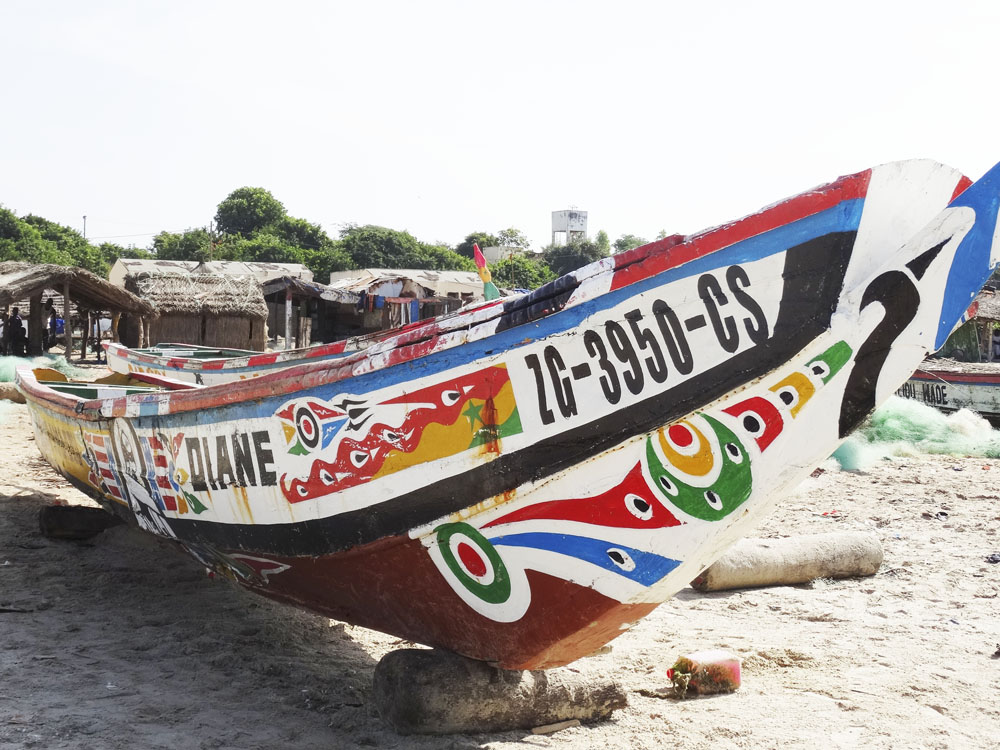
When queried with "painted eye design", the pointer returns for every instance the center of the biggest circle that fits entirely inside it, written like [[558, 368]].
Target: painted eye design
[[391, 437], [326, 477], [301, 490], [788, 396], [713, 500], [359, 458], [734, 453], [622, 559], [753, 423], [307, 427], [638, 507], [450, 398], [668, 486], [820, 368]]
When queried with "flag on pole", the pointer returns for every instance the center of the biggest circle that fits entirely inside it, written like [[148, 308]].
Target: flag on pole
[[490, 290]]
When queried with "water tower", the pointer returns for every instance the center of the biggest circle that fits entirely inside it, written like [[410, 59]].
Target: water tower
[[568, 226]]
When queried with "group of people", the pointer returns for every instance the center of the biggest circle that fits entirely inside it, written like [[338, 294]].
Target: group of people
[[13, 334], [14, 331]]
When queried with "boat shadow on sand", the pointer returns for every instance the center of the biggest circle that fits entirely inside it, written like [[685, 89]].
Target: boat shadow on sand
[[124, 638]]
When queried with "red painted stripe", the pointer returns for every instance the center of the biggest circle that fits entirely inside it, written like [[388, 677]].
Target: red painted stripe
[[263, 359], [155, 444], [115, 491], [97, 440], [101, 457], [170, 502], [930, 376], [106, 473], [160, 462], [659, 256], [163, 483], [960, 187], [212, 364]]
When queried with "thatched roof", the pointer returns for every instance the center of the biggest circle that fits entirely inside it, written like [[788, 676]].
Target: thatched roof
[[312, 289], [201, 294], [20, 281], [987, 306], [261, 271]]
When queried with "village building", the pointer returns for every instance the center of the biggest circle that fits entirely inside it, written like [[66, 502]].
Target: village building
[[75, 296], [387, 298], [978, 338], [207, 310], [262, 272]]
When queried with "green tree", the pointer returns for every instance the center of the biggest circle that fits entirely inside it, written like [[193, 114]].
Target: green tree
[[627, 242], [111, 252], [521, 272], [22, 241], [483, 239], [511, 237], [68, 242], [193, 244], [603, 243], [441, 258], [329, 258], [247, 210], [264, 247], [372, 246], [300, 232], [565, 258]]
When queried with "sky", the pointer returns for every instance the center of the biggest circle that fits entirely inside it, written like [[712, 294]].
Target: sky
[[444, 118]]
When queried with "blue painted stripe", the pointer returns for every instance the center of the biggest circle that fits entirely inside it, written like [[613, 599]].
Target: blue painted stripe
[[649, 567], [844, 217], [971, 267]]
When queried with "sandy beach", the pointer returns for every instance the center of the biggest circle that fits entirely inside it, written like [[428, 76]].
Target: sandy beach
[[124, 642]]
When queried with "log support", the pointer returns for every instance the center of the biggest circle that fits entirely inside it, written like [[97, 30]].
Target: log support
[[437, 692]]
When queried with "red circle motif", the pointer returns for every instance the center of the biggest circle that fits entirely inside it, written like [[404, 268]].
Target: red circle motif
[[471, 559], [680, 435]]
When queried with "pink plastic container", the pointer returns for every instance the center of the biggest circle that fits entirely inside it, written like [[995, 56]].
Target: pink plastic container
[[706, 673]]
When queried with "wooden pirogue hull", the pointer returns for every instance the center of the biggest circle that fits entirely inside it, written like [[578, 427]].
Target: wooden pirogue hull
[[522, 487], [202, 365], [960, 386], [196, 364]]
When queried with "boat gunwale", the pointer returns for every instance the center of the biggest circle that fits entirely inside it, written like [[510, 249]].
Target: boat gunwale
[[409, 344]]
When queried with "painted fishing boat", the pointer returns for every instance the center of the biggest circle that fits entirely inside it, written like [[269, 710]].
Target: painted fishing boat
[[525, 485], [949, 386], [203, 365]]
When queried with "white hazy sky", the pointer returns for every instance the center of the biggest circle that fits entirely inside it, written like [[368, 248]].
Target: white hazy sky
[[443, 118]]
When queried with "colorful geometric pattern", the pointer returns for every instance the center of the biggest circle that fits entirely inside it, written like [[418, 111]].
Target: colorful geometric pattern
[[348, 440], [696, 470]]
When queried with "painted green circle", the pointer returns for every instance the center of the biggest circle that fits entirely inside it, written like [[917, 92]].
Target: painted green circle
[[495, 592]]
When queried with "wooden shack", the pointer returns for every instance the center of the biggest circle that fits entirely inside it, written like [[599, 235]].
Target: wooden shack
[[208, 310], [88, 295]]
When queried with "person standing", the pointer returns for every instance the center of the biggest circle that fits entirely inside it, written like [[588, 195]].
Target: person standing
[[18, 336]]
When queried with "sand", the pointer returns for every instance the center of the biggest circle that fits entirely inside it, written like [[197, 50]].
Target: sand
[[124, 642]]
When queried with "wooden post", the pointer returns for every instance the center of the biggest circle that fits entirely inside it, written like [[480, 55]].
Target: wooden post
[[289, 338], [86, 337], [67, 323], [35, 325], [114, 327]]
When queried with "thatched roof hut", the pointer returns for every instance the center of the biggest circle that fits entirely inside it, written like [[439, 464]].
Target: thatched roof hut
[[20, 282], [203, 309]]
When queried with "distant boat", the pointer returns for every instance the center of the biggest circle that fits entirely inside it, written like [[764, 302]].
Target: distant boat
[[949, 386], [205, 365], [524, 483]]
